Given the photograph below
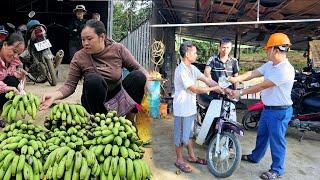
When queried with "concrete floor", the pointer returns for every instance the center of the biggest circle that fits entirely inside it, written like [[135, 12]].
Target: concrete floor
[[302, 162]]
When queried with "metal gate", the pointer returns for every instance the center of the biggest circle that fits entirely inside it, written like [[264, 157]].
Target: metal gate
[[138, 42]]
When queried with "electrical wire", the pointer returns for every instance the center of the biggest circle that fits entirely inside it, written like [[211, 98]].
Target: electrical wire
[[157, 50]]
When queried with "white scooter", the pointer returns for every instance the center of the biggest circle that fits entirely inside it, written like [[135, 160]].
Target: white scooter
[[216, 125]]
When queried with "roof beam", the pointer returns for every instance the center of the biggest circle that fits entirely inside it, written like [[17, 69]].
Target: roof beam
[[277, 9], [197, 4], [184, 9], [26, 5], [304, 10], [237, 23], [234, 4], [173, 14], [300, 12]]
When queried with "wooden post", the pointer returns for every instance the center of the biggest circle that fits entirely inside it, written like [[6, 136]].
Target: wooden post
[[110, 19], [235, 46]]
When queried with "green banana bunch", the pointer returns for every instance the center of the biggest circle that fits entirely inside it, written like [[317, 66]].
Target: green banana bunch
[[19, 166], [65, 162], [67, 114], [26, 104]]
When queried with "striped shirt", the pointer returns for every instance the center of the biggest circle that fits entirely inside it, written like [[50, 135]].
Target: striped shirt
[[219, 69]]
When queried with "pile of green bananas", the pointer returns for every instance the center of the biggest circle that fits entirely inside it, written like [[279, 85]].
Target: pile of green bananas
[[67, 163], [24, 104], [21, 151], [75, 146], [124, 168], [118, 148], [73, 137], [106, 147], [67, 114]]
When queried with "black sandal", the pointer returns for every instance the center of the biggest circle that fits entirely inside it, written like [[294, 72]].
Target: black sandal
[[270, 175], [184, 167], [247, 158]]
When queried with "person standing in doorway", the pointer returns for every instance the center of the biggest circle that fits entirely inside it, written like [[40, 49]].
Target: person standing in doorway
[[96, 16], [222, 65], [75, 28], [275, 90], [184, 104]]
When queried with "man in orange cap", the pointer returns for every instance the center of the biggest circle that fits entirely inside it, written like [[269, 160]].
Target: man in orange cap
[[276, 88]]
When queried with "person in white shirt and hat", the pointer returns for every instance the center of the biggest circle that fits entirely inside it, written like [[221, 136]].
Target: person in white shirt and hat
[[75, 28]]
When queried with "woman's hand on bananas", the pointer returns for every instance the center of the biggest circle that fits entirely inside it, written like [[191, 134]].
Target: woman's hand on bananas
[[11, 88], [48, 99]]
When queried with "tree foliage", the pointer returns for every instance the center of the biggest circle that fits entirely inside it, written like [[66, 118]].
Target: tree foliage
[[128, 15], [205, 49]]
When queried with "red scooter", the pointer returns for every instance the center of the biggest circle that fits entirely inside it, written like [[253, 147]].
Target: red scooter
[[306, 105]]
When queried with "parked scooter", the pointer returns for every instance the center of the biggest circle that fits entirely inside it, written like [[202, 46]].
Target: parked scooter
[[216, 125], [306, 105], [38, 59]]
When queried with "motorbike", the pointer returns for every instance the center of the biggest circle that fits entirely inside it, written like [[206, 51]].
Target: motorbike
[[216, 126], [38, 59], [306, 105]]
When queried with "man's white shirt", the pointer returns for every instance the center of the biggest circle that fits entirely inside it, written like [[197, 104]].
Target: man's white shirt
[[282, 75], [184, 101]]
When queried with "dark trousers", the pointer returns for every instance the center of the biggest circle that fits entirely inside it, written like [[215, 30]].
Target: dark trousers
[[95, 90], [74, 46], [10, 81]]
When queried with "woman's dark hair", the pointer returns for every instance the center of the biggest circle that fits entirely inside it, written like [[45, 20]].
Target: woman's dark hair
[[184, 48], [12, 38], [98, 26]]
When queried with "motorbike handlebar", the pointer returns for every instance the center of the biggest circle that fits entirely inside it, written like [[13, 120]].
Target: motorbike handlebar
[[225, 97]]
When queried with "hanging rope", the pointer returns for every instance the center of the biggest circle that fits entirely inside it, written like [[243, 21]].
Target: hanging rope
[[157, 50]]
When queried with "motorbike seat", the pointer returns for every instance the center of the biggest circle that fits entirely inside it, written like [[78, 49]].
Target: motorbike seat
[[204, 99], [312, 101]]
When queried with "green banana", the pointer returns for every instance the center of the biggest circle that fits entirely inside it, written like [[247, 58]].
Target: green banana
[[21, 109], [114, 164], [22, 159], [78, 161], [35, 165], [122, 168], [107, 164], [61, 167], [137, 169], [34, 110], [14, 165], [16, 100], [5, 108], [84, 168], [129, 163], [69, 160]]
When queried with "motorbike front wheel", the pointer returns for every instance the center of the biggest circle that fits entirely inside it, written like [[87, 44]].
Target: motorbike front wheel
[[250, 119], [51, 72], [36, 73], [224, 162]]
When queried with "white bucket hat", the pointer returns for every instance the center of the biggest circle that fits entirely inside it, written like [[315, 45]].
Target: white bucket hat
[[80, 7]]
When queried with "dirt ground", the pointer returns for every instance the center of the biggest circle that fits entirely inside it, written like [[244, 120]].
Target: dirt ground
[[302, 161]]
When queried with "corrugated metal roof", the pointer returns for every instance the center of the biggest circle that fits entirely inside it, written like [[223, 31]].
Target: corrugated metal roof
[[209, 11]]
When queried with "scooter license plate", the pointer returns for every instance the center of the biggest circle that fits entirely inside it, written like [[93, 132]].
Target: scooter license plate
[[43, 45]]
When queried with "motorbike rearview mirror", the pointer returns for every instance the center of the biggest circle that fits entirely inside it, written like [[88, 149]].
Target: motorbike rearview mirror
[[31, 14], [11, 26]]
